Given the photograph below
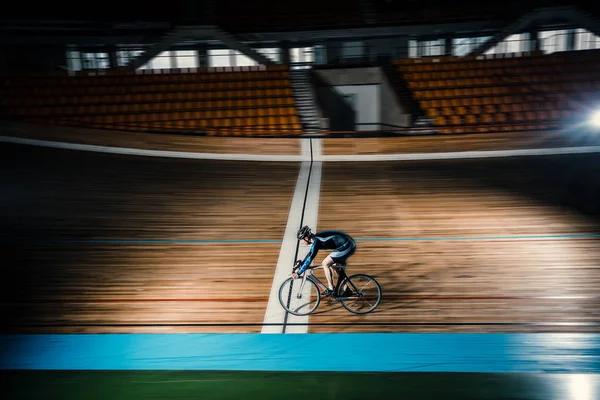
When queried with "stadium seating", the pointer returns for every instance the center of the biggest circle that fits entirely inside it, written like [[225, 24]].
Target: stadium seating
[[217, 101], [490, 93]]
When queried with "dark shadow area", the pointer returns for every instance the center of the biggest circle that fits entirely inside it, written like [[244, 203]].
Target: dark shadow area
[[341, 115], [57, 207], [405, 96], [51, 196], [570, 181]]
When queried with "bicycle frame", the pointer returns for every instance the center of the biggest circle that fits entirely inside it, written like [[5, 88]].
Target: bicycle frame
[[308, 274], [309, 300]]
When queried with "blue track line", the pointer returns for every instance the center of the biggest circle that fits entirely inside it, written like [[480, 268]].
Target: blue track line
[[372, 239], [150, 241], [504, 237]]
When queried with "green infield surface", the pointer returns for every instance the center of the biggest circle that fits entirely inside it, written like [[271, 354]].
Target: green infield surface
[[132, 385]]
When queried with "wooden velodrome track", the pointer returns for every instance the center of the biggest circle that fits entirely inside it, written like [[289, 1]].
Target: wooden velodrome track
[[98, 242]]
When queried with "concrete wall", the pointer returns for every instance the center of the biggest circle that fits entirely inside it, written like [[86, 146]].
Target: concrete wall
[[366, 104], [350, 76], [377, 106], [375, 50], [339, 115], [360, 82], [393, 115]]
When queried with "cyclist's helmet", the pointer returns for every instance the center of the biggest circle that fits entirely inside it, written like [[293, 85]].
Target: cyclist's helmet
[[303, 232]]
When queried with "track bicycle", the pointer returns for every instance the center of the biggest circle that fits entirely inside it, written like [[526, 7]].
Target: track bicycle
[[359, 293]]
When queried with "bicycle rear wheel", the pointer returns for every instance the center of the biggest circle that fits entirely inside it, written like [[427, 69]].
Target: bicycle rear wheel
[[360, 294], [296, 301]]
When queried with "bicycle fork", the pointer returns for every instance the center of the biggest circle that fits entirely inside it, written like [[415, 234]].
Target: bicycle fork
[[304, 278]]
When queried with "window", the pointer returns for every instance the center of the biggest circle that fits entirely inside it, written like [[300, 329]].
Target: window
[[412, 49], [124, 56], [234, 58], [272, 53], [586, 40], [302, 57], [94, 60], [161, 61], [73, 60], [186, 58], [242, 60], [431, 47], [553, 41], [512, 44], [219, 58], [463, 46]]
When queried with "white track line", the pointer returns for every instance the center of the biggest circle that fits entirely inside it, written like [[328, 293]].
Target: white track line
[[304, 156], [274, 313], [311, 213], [152, 153], [462, 154]]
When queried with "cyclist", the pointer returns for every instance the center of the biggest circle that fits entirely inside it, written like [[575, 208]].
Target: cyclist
[[341, 243]]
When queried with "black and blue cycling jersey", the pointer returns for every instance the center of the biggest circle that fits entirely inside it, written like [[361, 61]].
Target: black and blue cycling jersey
[[341, 243]]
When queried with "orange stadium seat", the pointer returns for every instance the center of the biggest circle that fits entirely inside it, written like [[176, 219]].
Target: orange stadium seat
[[170, 99], [493, 87]]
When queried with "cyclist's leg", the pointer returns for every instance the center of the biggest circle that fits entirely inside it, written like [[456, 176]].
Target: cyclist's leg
[[327, 269], [341, 258]]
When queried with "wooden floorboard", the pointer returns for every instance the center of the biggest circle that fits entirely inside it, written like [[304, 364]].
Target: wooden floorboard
[[441, 267], [60, 193], [135, 244], [454, 143], [458, 258], [154, 141]]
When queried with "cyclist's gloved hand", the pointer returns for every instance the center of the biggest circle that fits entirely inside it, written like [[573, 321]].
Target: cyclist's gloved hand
[[297, 265]]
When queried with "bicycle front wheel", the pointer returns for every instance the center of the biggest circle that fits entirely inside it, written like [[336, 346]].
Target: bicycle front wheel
[[299, 300], [360, 294]]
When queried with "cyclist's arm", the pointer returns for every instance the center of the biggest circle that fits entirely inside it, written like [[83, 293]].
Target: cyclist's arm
[[309, 257]]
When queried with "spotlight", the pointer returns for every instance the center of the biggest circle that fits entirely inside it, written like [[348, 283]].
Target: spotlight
[[595, 120]]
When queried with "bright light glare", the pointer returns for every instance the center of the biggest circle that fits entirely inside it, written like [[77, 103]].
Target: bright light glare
[[595, 120], [580, 387]]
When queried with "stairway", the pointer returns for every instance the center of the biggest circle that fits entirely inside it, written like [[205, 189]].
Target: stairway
[[305, 100]]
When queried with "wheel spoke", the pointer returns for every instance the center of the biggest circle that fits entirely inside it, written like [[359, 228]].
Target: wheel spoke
[[366, 299], [366, 284], [299, 299]]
